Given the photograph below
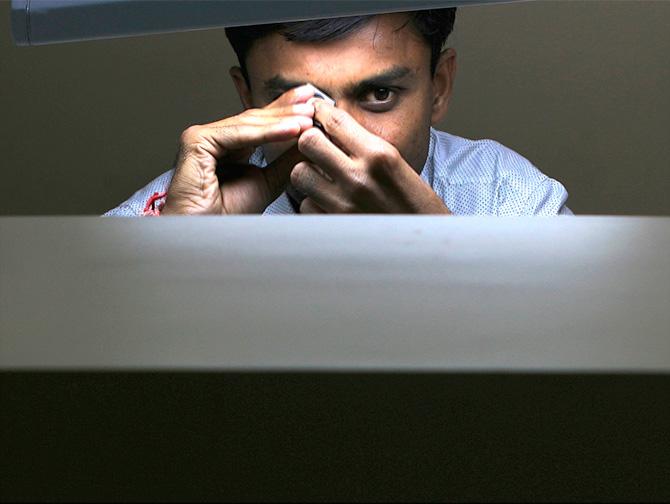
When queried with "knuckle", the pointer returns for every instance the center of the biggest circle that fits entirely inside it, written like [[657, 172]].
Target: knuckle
[[336, 120], [226, 131], [347, 207], [296, 176], [381, 153], [358, 188], [381, 159], [307, 141], [248, 116], [190, 134], [228, 135]]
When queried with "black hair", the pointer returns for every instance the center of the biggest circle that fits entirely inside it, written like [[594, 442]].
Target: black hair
[[434, 25]]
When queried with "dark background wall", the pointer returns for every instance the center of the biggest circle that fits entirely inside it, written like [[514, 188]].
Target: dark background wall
[[580, 88]]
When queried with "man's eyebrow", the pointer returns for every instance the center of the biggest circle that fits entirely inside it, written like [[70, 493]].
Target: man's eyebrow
[[278, 83], [383, 79]]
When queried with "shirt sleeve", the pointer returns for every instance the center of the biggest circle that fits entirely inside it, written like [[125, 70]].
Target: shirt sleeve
[[135, 205], [548, 198], [523, 190]]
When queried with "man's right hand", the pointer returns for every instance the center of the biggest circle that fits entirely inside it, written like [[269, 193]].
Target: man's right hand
[[212, 175]]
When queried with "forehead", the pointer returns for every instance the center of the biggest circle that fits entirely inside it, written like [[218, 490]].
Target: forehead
[[385, 41]]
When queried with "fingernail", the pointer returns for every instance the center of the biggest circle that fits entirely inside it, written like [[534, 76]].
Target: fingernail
[[316, 103]]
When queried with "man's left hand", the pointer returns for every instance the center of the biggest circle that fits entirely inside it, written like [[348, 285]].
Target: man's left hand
[[354, 171]]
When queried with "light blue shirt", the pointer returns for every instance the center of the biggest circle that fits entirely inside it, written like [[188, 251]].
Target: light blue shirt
[[472, 177]]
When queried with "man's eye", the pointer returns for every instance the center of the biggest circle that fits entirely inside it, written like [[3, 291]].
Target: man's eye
[[379, 99], [382, 94], [378, 95]]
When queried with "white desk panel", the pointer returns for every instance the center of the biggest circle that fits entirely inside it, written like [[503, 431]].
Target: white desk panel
[[583, 294]]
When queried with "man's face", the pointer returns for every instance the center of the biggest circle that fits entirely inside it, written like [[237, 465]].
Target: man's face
[[380, 74]]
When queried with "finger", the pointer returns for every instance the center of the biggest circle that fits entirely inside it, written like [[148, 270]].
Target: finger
[[307, 179], [260, 116], [344, 129], [260, 119], [274, 149], [299, 94], [217, 141], [324, 153], [304, 109], [309, 207]]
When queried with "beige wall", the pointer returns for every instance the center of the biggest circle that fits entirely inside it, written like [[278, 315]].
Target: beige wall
[[580, 88]]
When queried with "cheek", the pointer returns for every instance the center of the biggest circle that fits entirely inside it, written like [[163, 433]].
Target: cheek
[[406, 132], [389, 127]]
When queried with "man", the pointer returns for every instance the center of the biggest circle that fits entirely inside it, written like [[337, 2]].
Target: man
[[374, 152]]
